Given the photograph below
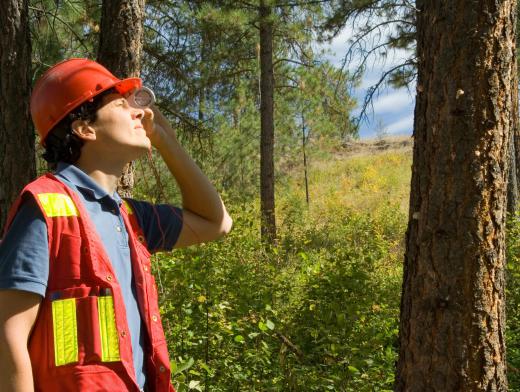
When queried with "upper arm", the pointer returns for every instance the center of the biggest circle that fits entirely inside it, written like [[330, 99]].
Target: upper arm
[[196, 229], [24, 252], [160, 223], [166, 227]]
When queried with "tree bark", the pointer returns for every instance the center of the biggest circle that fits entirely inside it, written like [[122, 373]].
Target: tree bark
[[267, 204], [516, 152], [17, 149], [512, 186], [120, 50], [514, 169], [452, 331]]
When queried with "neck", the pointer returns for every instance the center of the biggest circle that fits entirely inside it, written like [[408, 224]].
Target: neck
[[105, 174]]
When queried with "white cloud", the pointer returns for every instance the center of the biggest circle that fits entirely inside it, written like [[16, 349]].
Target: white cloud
[[394, 102], [404, 125]]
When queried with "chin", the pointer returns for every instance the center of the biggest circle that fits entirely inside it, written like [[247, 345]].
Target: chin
[[145, 147]]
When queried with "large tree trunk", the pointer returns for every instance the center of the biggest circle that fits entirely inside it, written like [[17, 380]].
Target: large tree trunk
[[453, 304], [514, 159], [516, 156], [17, 152], [268, 224], [120, 49], [512, 185]]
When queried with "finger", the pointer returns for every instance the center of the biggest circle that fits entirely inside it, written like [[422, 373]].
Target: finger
[[148, 114]]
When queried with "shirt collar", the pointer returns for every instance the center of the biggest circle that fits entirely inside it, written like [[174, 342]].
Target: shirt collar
[[83, 182]]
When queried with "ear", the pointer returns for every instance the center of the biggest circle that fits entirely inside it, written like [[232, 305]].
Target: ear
[[83, 130]]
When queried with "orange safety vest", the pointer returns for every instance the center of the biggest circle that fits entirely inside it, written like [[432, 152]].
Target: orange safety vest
[[81, 340]]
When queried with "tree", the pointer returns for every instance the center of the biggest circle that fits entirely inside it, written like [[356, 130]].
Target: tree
[[217, 84], [17, 152], [120, 48], [453, 305], [379, 27], [266, 123]]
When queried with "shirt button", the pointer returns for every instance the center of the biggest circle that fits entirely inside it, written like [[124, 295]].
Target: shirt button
[[123, 334], [154, 318], [109, 277], [162, 369], [140, 239], [118, 228], [145, 268]]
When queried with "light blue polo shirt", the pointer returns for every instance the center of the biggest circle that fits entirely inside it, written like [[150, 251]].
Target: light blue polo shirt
[[24, 253]]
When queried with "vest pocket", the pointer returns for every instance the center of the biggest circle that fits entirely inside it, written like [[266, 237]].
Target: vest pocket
[[84, 326], [89, 338], [68, 262]]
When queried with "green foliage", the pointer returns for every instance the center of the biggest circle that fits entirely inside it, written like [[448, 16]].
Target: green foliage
[[316, 312], [203, 62], [64, 29], [513, 302], [319, 311]]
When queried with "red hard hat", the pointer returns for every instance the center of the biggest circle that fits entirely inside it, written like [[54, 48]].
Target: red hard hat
[[67, 85]]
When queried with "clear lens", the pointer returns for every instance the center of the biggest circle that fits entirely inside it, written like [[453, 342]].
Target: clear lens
[[141, 98]]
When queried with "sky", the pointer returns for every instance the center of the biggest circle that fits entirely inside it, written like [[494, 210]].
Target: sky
[[392, 108]]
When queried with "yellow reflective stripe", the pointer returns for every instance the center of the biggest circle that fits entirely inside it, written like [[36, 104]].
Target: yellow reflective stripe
[[108, 330], [57, 204], [65, 331], [128, 208]]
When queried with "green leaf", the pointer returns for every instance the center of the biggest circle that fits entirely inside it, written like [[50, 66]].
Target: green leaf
[[262, 326], [352, 369], [269, 324], [194, 384], [239, 339], [179, 368]]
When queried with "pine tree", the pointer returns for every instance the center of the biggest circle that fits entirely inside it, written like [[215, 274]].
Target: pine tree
[[453, 302], [17, 152]]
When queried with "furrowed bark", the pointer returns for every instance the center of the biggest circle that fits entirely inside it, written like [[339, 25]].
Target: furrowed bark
[[452, 331]]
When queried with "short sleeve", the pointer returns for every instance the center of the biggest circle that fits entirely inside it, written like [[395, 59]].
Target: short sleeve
[[24, 251], [161, 224]]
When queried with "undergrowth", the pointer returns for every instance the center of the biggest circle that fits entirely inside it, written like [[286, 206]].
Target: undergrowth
[[319, 310]]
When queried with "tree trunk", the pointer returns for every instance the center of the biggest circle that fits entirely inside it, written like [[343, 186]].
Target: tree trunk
[[514, 159], [268, 224], [516, 151], [17, 150], [512, 185], [120, 49], [452, 331]]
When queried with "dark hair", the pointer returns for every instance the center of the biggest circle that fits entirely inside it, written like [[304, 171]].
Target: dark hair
[[63, 145]]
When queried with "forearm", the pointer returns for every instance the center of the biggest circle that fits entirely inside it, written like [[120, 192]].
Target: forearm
[[18, 312], [15, 369], [198, 194]]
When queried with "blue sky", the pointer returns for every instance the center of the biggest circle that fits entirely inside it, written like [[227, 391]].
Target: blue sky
[[392, 108]]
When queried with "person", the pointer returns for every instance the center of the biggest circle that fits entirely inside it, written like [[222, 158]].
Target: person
[[78, 303]]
